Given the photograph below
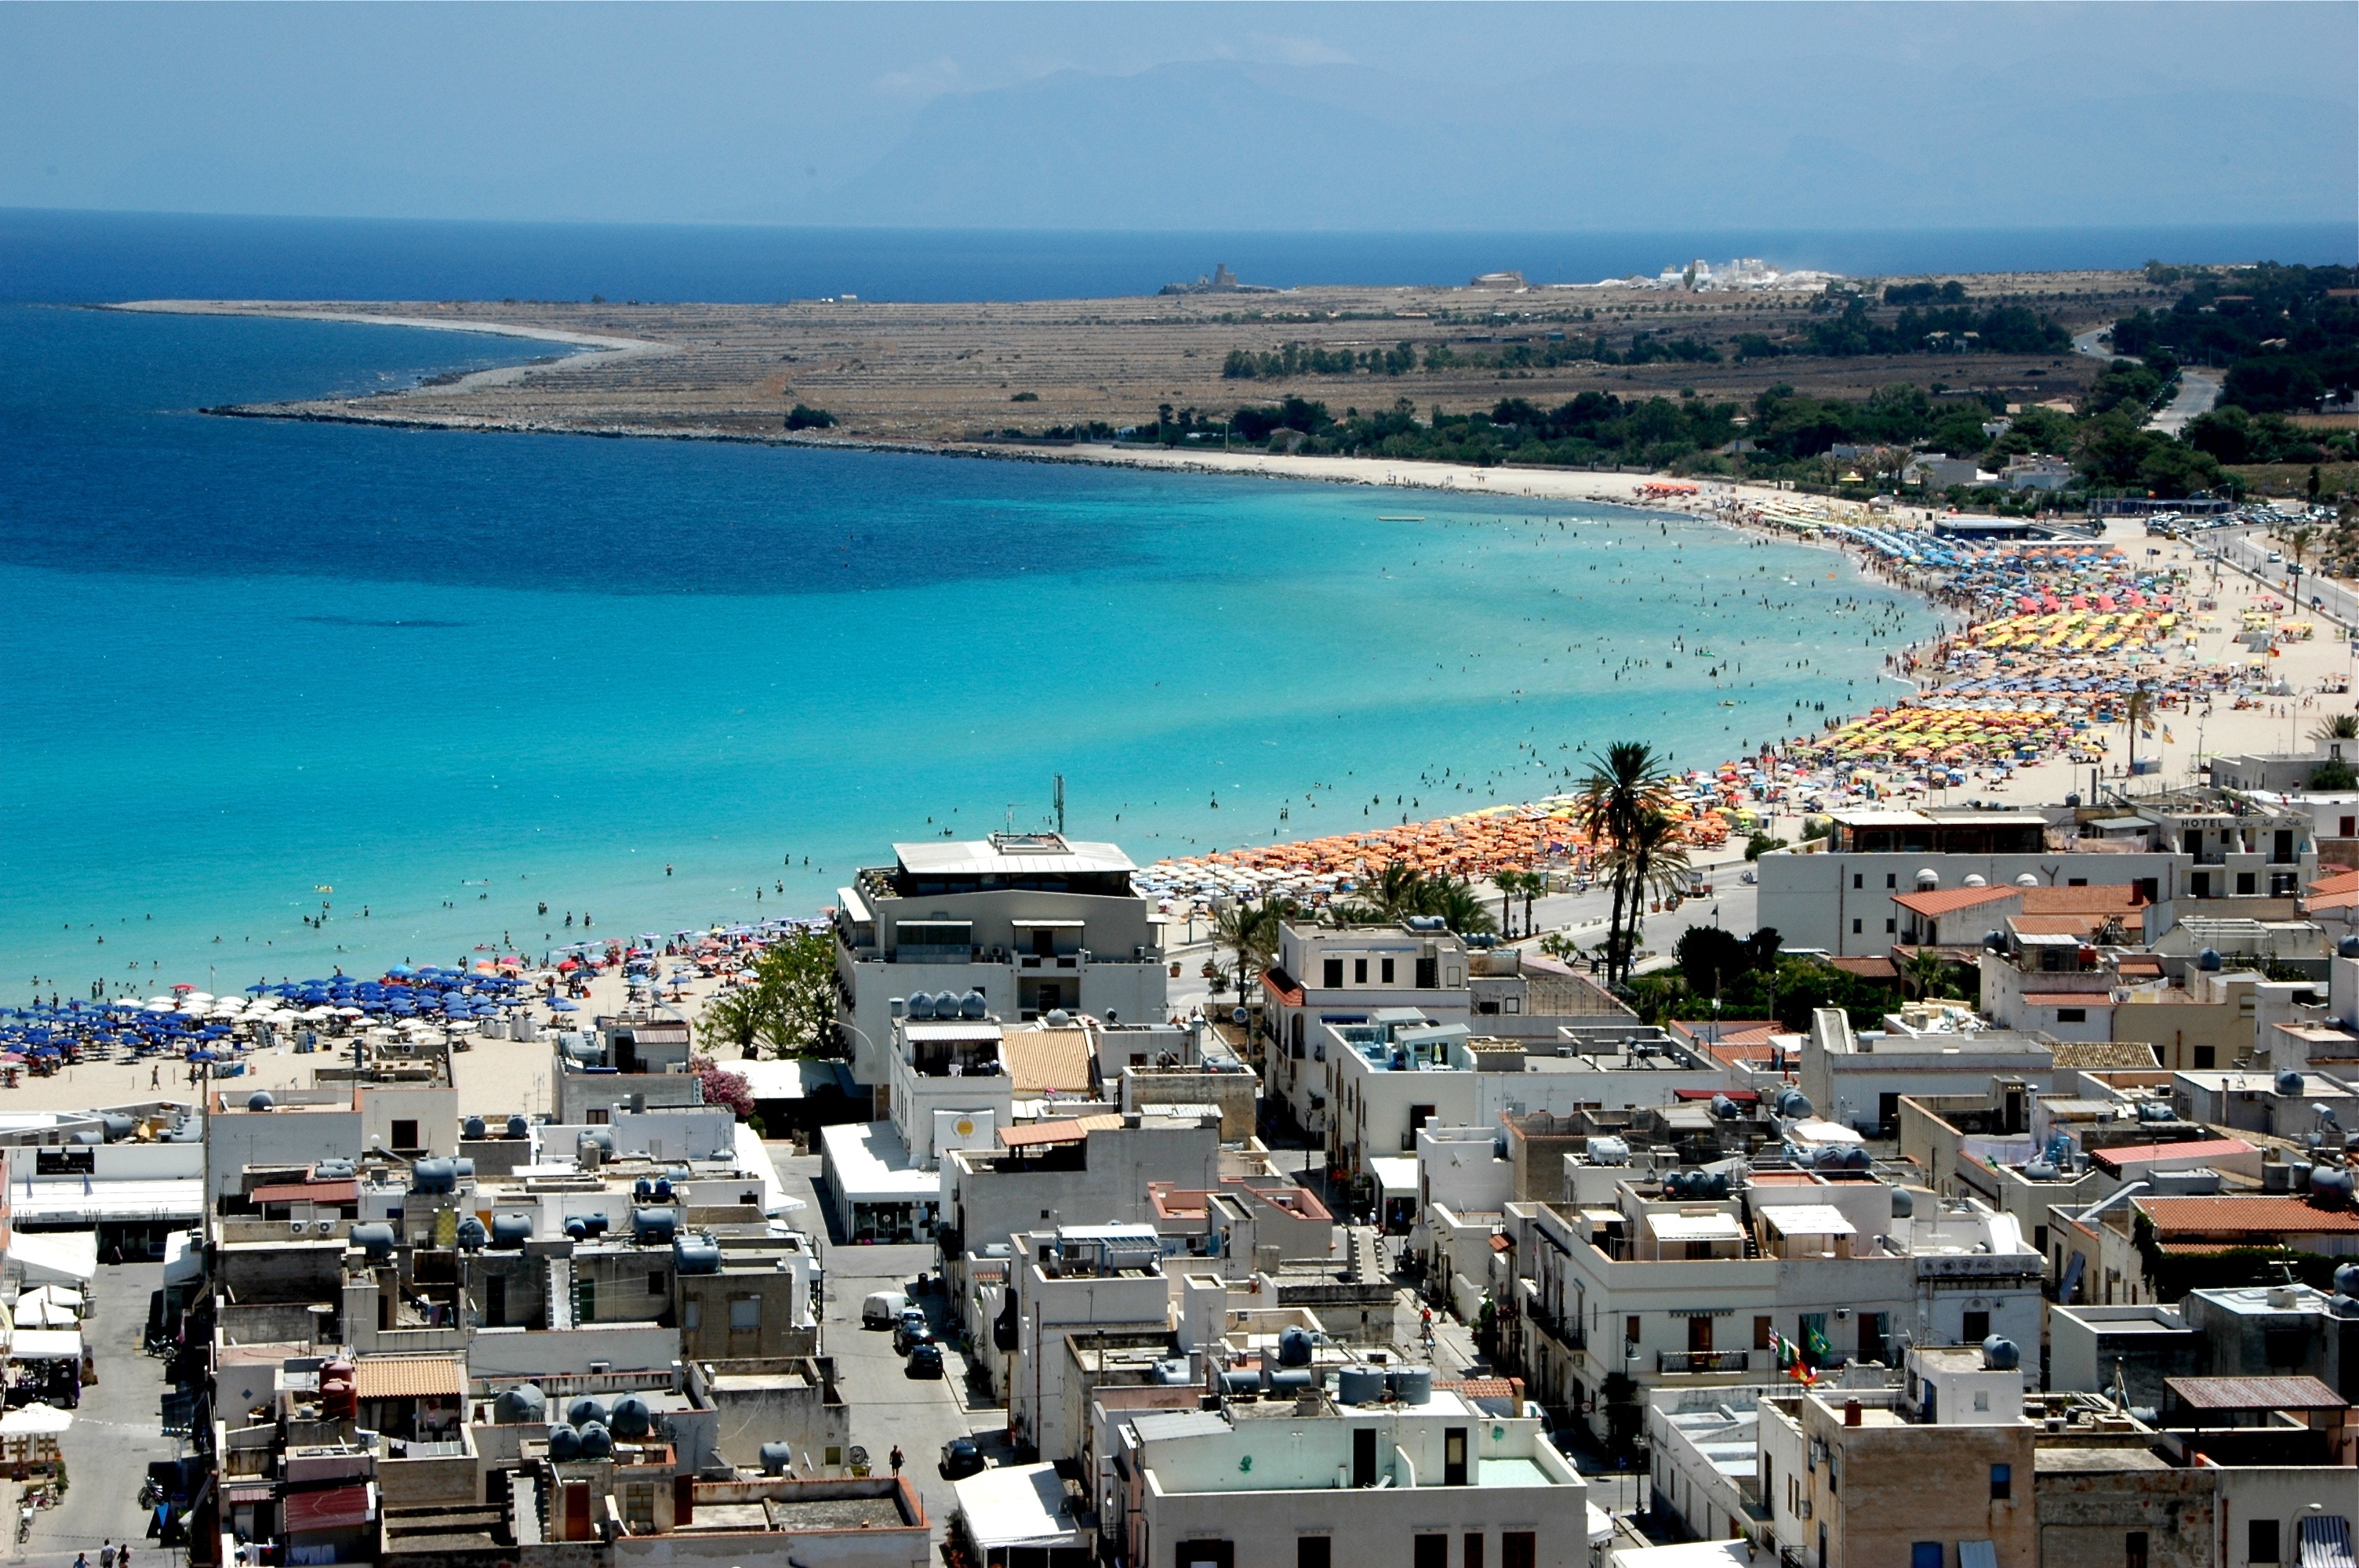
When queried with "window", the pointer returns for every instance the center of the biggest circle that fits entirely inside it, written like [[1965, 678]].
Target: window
[[2133, 1549], [2002, 1483], [656, 1284], [1314, 1550], [1699, 1334], [1925, 1555], [1857, 880], [1890, 926], [1432, 1551], [495, 1302], [2199, 884], [1854, 927], [1630, 1329], [2076, 881], [2071, 1015], [1892, 879], [405, 1135], [1384, 970], [1977, 1327], [1760, 1334], [1332, 974], [1518, 1549], [2261, 1534], [744, 1313], [2244, 880], [692, 1314], [2206, 1057], [1359, 971], [639, 1505], [2350, 828], [1982, 1402], [1473, 1558]]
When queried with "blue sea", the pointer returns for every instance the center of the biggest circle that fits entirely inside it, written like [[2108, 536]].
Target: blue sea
[[452, 676]]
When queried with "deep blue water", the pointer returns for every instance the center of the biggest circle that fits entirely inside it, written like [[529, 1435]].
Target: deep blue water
[[451, 676], [66, 255]]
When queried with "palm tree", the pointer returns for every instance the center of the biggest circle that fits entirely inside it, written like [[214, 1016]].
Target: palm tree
[[1534, 885], [2339, 727], [2297, 544], [1626, 784], [1927, 972], [1653, 860], [2141, 704], [1509, 884], [1250, 933], [1459, 906]]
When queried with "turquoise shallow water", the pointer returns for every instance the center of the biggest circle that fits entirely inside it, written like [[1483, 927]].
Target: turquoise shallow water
[[453, 675]]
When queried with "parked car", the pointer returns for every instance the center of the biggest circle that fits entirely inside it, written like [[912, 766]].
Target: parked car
[[913, 1330], [961, 1458], [883, 1309], [925, 1359]]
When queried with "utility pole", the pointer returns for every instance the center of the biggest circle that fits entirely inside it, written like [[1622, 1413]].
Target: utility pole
[[1061, 803]]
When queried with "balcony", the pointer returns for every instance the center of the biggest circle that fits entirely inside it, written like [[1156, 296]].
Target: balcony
[[1676, 1363], [1046, 961]]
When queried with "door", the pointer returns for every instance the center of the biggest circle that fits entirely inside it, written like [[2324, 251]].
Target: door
[[1699, 1336], [495, 1302], [1044, 943], [1363, 1456], [1453, 1457]]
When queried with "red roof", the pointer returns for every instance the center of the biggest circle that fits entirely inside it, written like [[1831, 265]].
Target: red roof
[[2102, 898], [334, 1508], [2067, 999], [1741, 1097], [1949, 901], [1278, 984], [2230, 1214], [309, 1192], [2114, 1159]]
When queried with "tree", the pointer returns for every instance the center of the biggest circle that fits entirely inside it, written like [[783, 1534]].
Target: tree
[[1458, 905], [2336, 727], [1626, 784], [1651, 859], [724, 1087], [1711, 957], [1928, 973], [788, 1004], [803, 418], [1250, 933]]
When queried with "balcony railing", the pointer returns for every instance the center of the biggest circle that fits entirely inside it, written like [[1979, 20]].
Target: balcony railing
[[1671, 1362]]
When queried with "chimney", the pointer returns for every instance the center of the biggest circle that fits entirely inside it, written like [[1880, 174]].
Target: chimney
[[1203, 1312], [1850, 1412]]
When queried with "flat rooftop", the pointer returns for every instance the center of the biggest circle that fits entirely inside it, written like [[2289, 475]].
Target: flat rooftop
[[1011, 855]]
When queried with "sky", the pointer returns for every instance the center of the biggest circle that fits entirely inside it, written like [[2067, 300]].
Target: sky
[[1340, 116]]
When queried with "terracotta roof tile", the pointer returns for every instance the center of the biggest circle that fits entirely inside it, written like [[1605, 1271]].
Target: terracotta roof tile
[[2230, 1214], [1046, 1061], [1056, 1129], [2101, 1053], [409, 1377]]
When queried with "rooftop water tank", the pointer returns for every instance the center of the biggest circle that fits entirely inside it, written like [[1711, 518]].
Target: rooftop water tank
[[472, 1128], [564, 1443], [1240, 1380], [1292, 1381], [471, 1235], [1360, 1386], [2330, 1185], [118, 1126], [1830, 1157], [2039, 1170], [2347, 948], [88, 1137], [1724, 1107], [776, 1458], [338, 1390], [333, 1170], [695, 1255], [1294, 1346], [2000, 1355], [2346, 1279], [518, 1127], [2289, 1083], [1855, 1157], [654, 1227], [643, 1190], [259, 1100], [377, 1240], [922, 1004], [1794, 1104], [976, 1005], [434, 1176], [2156, 1110], [510, 1231], [1904, 1204], [2208, 960], [596, 1442], [465, 1168], [1609, 1152], [584, 1409], [577, 1229], [1058, 1018], [1995, 940], [1413, 1385], [633, 1420], [594, 1223], [663, 1189], [524, 1405], [1171, 1372]]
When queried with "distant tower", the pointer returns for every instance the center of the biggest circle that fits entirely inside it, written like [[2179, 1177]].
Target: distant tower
[[1061, 803]]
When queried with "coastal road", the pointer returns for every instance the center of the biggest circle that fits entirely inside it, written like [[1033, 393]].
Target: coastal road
[[2198, 392], [2248, 551]]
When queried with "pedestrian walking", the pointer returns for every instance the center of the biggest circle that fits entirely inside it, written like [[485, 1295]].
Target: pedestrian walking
[[897, 1460]]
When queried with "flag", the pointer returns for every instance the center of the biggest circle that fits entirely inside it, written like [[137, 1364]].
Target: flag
[[2167, 739]]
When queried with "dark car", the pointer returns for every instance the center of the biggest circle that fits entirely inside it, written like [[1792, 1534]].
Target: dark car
[[912, 1331], [961, 1458], [925, 1359]]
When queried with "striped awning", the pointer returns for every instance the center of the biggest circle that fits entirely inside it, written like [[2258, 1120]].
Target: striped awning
[[2325, 1541]]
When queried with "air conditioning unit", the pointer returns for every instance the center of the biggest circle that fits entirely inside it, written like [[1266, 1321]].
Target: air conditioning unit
[[297, 1227], [327, 1227]]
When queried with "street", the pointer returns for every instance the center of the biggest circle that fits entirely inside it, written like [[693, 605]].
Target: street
[[114, 1435], [889, 1406]]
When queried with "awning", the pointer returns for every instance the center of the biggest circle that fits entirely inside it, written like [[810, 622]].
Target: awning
[[1713, 1227], [2325, 1541], [1806, 1219], [45, 1344], [28, 1421], [1020, 1505], [61, 1255], [1395, 1174], [334, 1508], [1977, 1555], [409, 1377]]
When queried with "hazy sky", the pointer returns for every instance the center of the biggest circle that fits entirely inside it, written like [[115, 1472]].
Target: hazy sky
[[1526, 116]]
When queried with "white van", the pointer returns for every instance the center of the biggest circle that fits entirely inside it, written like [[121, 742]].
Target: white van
[[883, 1309]]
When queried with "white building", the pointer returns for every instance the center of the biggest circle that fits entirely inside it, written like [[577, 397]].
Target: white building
[[1036, 923], [1438, 1484]]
